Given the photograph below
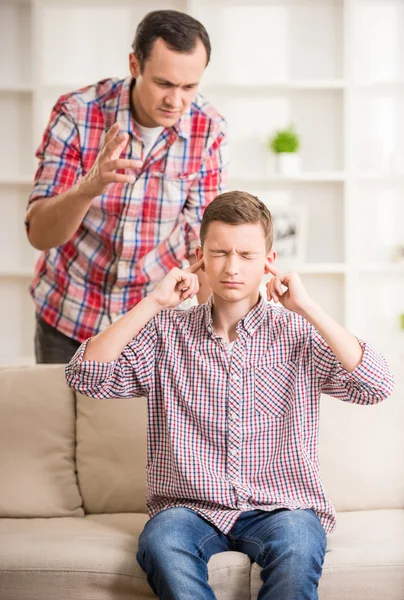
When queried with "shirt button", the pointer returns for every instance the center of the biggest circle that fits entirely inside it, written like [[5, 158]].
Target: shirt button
[[236, 377], [233, 452]]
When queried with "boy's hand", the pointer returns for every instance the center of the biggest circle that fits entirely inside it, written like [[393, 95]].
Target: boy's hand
[[295, 297], [177, 286]]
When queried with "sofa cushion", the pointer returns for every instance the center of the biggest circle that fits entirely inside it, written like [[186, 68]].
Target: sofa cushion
[[362, 453], [111, 454], [364, 558], [94, 557], [37, 444]]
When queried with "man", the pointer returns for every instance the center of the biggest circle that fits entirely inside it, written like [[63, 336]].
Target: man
[[233, 391], [126, 170]]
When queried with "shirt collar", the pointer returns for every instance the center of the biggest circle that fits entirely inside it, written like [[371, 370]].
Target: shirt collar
[[124, 113], [127, 123], [249, 323]]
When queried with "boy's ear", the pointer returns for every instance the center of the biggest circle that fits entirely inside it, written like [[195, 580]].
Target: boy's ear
[[270, 260], [199, 255]]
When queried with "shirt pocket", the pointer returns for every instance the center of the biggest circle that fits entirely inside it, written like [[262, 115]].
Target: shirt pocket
[[274, 389], [171, 189]]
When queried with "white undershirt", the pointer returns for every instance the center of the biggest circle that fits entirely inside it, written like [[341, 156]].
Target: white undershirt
[[229, 348], [149, 136]]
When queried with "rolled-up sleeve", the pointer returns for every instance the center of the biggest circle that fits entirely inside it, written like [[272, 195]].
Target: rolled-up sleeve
[[129, 375], [60, 160], [370, 383]]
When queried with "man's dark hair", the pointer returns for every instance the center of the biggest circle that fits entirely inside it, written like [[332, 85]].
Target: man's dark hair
[[236, 208], [179, 31]]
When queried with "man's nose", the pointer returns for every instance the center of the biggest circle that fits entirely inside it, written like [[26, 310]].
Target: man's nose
[[173, 98]]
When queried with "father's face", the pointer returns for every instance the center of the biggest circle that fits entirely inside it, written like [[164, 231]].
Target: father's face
[[168, 84]]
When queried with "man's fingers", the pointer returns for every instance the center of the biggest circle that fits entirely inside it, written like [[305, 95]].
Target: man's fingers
[[120, 163], [195, 267], [111, 133], [118, 140], [112, 177]]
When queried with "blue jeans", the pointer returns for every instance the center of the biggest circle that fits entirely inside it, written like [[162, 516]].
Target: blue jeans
[[289, 546]]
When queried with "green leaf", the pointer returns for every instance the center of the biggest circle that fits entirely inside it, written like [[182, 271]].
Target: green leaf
[[284, 140]]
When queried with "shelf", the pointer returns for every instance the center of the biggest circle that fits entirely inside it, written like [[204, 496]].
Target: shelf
[[16, 88], [17, 180], [381, 267], [322, 269], [23, 273], [269, 88], [379, 87], [380, 177], [65, 88], [326, 177]]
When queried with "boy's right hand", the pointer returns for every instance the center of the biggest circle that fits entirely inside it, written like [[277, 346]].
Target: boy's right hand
[[177, 286]]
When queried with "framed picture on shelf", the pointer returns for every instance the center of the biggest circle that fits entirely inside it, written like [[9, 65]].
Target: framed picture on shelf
[[289, 225]]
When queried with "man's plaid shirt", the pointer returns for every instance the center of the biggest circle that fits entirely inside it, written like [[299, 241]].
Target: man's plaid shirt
[[134, 233]]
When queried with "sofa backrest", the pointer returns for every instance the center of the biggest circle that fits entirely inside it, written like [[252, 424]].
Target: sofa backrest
[[111, 454], [361, 450], [362, 453], [37, 444]]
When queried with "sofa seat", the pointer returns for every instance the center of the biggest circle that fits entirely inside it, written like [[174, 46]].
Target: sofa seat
[[71, 557], [364, 558]]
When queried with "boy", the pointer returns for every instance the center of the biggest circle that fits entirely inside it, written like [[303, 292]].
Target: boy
[[233, 391]]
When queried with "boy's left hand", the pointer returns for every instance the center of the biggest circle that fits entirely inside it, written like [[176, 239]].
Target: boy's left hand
[[295, 297]]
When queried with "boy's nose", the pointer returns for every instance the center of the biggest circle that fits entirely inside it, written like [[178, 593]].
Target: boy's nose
[[232, 265]]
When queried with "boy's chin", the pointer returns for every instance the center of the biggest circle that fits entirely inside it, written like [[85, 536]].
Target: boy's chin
[[232, 295]]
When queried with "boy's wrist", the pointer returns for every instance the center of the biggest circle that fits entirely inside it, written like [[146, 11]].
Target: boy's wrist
[[151, 304], [310, 311]]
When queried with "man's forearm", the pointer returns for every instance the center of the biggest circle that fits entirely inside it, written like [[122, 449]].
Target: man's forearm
[[53, 221], [344, 345], [108, 345]]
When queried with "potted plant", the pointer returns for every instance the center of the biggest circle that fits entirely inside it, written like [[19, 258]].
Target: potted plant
[[285, 144]]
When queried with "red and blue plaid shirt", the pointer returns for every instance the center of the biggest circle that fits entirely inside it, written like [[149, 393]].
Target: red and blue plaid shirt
[[233, 433], [134, 233]]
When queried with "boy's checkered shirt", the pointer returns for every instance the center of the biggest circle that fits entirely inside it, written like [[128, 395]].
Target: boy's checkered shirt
[[230, 434]]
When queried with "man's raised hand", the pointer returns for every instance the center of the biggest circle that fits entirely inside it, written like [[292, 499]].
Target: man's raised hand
[[103, 172], [177, 286]]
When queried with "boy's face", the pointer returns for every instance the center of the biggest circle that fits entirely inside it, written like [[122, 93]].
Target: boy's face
[[235, 260]]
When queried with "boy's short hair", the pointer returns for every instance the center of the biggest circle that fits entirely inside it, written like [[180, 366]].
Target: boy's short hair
[[179, 30], [236, 208]]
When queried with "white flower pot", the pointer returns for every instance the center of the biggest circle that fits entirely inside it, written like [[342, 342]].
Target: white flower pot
[[289, 164]]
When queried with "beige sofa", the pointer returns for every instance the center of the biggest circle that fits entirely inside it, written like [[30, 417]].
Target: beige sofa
[[72, 487]]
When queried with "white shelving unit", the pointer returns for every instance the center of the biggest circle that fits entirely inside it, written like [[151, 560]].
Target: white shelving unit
[[333, 68]]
